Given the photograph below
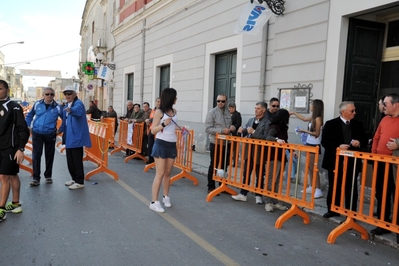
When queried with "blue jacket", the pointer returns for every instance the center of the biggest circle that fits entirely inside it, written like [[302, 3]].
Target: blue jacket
[[44, 120], [75, 126]]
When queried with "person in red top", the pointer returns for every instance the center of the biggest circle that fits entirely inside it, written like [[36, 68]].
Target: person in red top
[[383, 143]]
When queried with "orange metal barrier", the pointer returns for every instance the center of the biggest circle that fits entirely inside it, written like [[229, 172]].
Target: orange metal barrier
[[98, 153], [184, 158], [269, 153], [111, 123], [364, 213], [135, 143]]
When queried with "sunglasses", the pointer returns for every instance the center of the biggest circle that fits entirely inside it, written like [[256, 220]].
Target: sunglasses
[[49, 94], [275, 106], [221, 101], [68, 93]]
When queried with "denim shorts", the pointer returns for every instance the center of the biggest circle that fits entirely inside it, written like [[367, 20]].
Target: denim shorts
[[164, 149]]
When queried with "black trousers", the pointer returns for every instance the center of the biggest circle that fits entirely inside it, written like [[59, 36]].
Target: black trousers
[[249, 162], [211, 182], [380, 188], [38, 140], [75, 164], [348, 188], [150, 144]]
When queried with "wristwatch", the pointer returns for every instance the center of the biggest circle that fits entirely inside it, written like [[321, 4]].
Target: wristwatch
[[22, 149]]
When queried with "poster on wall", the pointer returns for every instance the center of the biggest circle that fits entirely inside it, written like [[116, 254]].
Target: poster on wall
[[295, 99]]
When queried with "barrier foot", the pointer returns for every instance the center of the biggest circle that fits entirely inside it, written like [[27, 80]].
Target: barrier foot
[[294, 210], [222, 188], [118, 149], [184, 174], [349, 223], [29, 159], [136, 154], [26, 168], [100, 169], [148, 167]]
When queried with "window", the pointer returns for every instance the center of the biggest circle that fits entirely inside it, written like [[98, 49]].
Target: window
[[393, 34], [130, 85]]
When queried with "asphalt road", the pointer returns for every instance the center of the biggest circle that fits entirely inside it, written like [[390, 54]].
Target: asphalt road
[[109, 223]]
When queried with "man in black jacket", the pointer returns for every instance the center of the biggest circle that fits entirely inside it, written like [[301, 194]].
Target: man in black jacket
[[348, 134], [14, 135]]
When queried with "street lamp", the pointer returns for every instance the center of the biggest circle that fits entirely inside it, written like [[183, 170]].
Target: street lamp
[[21, 42], [25, 63]]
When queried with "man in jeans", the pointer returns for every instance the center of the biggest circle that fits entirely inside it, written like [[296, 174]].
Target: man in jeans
[[42, 121], [218, 120]]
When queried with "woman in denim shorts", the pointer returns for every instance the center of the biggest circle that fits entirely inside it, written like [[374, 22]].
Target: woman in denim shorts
[[164, 149]]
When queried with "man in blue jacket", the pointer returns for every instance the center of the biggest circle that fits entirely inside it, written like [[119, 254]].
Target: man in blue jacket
[[75, 136], [42, 122]]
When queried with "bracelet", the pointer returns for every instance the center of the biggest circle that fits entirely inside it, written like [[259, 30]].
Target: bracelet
[[163, 124]]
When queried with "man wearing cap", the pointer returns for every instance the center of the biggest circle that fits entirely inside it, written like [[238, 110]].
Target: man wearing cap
[[14, 135], [76, 136], [42, 121]]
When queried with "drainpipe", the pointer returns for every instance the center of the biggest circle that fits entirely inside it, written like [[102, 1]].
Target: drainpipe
[[262, 81], [142, 61]]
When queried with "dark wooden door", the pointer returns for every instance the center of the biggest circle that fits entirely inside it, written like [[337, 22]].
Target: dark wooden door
[[225, 76], [363, 67], [164, 78]]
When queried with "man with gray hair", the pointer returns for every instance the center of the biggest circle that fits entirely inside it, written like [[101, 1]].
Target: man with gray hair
[[42, 122], [346, 133]]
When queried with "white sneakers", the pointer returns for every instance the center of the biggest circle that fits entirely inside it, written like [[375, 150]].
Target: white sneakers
[[240, 197], [317, 194], [72, 185], [157, 207], [269, 207], [258, 200], [166, 201]]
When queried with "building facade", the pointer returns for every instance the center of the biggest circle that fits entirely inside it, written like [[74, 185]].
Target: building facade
[[346, 50]]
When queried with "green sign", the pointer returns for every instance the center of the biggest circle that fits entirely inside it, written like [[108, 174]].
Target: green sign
[[88, 68]]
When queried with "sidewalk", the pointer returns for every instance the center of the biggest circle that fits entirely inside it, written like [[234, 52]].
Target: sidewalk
[[201, 164]]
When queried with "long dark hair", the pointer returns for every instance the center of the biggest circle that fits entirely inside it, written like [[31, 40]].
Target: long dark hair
[[281, 119], [318, 111], [168, 98]]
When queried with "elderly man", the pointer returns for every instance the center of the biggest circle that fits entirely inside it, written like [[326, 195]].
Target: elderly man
[[76, 136], [384, 143], [346, 133], [255, 128], [129, 111], [218, 120], [42, 121], [14, 135]]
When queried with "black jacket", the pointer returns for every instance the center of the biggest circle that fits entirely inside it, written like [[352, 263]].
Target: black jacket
[[14, 131], [332, 137]]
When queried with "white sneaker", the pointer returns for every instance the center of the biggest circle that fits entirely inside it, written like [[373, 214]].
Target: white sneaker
[[258, 200], [280, 207], [269, 207], [309, 190], [166, 201], [240, 197], [318, 193], [76, 186], [69, 183], [156, 207]]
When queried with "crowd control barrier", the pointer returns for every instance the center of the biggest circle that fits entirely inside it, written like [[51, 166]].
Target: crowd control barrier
[[130, 138], [111, 124], [98, 152], [273, 158], [365, 209], [184, 158]]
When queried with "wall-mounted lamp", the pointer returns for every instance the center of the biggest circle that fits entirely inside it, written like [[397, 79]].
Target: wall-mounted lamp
[[99, 58]]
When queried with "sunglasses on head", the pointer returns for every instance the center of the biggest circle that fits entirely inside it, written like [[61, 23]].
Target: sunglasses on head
[[68, 93], [221, 101], [49, 94], [275, 106]]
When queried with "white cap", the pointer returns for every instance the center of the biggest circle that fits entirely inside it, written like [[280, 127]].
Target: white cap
[[69, 88]]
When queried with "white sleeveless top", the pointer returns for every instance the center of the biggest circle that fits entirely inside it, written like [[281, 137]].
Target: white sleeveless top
[[168, 133], [312, 139]]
